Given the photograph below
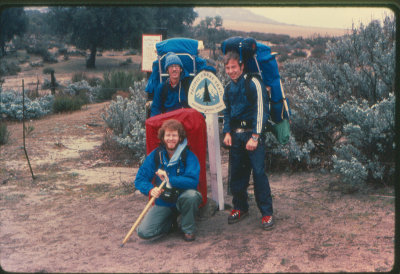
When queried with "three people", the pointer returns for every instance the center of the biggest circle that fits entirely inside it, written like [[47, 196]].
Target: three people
[[173, 161], [245, 117]]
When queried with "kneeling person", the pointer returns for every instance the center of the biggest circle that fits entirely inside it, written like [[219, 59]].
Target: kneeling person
[[172, 160]]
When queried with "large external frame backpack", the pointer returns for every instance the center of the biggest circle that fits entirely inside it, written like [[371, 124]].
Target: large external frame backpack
[[187, 50], [260, 62]]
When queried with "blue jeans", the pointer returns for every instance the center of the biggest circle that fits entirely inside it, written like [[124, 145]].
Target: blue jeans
[[242, 162], [159, 218]]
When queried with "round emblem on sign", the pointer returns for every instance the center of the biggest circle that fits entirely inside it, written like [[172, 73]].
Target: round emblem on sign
[[206, 92]]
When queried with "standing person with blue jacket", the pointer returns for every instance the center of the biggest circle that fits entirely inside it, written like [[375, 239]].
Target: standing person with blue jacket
[[172, 160], [245, 116], [170, 94]]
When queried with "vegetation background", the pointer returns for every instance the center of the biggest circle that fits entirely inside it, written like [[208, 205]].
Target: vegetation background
[[84, 110]]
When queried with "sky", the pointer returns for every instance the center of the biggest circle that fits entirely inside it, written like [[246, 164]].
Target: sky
[[331, 17]]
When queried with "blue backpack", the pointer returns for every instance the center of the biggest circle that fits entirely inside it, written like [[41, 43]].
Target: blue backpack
[[187, 51], [260, 62]]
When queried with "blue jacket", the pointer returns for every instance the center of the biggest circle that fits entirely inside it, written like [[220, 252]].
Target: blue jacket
[[240, 108], [176, 98], [181, 176]]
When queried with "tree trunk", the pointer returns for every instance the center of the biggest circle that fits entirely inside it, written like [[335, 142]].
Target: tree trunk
[[3, 50], [91, 62], [53, 83]]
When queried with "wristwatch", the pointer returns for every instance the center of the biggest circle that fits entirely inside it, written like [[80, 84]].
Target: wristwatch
[[255, 138]]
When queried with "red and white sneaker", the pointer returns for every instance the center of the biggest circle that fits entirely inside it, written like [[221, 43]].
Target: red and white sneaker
[[236, 216], [267, 222]]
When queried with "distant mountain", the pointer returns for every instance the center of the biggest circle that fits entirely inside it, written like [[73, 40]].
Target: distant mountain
[[238, 14]]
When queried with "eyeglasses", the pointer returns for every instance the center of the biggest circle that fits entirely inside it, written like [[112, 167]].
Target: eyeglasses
[[174, 66]]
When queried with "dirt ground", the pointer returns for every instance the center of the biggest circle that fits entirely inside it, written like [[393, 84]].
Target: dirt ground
[[74, 216]]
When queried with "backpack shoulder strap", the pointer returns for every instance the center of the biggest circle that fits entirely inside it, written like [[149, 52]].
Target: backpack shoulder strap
[[186, 85], [164, 93], [184, 155], [158, 157]]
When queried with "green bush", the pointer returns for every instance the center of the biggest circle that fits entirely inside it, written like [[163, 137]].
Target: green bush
[[127, 119], [117, 81], [92, 81], [9, 68], [299, 53], [66, 103], [4, 134], [366, 153], [48, 70]]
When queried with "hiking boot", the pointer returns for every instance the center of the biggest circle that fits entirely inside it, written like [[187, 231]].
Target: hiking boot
[[189, 237], [236, 216], [267, 222]]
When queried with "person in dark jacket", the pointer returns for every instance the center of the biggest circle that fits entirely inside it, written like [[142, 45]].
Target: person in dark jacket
[[171, 94], [245, 117], [181, 166]]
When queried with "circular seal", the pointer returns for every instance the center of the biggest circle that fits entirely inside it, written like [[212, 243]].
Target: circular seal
[[206, 92]]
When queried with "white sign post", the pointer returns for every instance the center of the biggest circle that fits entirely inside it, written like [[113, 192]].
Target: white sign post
[[205, 95], [149, 53]]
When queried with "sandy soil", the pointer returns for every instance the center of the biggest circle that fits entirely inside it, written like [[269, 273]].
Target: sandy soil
[[75, 215]]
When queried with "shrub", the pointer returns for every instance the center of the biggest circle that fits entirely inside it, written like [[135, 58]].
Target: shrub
[[11, 105], [366, 153], [92, 81], [82, 89], [9, 68], [292, 156], [299, 53], [117, 80], [47, 84], [4, 134], [126, 62], [318, 52], [41, 49], [64, 103], [353, 137], [48, 70], [126, 117]]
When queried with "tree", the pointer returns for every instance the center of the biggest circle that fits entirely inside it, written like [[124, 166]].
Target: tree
[[114, 27], [100, 27], [13, 21], [173, 18], [209, 28]]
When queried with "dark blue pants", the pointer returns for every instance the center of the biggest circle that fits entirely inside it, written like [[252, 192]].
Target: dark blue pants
[[242, 163]]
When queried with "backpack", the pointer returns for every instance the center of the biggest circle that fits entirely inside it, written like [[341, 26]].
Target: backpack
[[187, 51], [260, 62]]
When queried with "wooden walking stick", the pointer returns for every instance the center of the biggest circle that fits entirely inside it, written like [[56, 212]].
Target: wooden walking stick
[[139, 219]]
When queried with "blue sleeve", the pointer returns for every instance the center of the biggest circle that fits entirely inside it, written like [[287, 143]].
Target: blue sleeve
[[190, 178], [227, 112], [157, 104], [257, 90], [145, 175]]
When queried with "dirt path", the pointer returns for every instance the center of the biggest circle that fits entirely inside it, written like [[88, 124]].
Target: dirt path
[[74, 216]]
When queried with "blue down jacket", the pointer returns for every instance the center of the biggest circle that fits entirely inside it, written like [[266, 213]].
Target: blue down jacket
[[181, 175]]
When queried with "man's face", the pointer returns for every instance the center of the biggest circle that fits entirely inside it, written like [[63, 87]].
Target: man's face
[[233, 69], [174, 72], [171, 139]]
